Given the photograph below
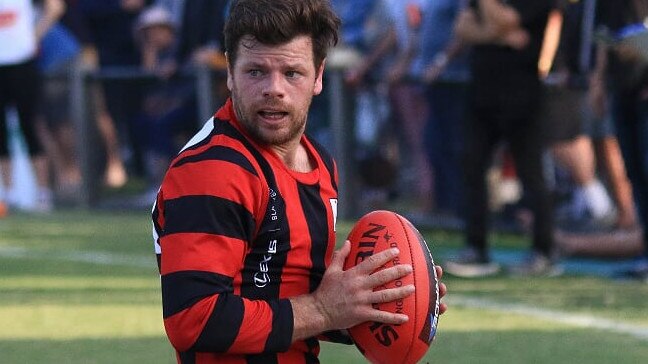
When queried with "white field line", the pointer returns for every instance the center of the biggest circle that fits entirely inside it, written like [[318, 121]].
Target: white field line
[[93, 257], [561, 317], [577, 320]]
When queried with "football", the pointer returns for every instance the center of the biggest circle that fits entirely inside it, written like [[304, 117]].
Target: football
[[406, 343]]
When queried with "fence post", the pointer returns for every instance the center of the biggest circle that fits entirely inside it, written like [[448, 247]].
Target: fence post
[[342, 127], [204, 93], [79, 109]]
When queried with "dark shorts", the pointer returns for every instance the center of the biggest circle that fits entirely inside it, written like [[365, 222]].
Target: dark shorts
[[562, 114], [598, 127], [56, 96], [20, 86]]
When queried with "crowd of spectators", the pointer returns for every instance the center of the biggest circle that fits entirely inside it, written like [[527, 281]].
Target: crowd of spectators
[[455, 101]]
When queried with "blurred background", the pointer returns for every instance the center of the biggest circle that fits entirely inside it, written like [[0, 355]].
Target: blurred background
[[124, 84], [104, 93]]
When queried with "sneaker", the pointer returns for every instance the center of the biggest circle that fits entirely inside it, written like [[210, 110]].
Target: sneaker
[[537, 265], [638, 273], [4, 209], [44, 201], [470, 264]]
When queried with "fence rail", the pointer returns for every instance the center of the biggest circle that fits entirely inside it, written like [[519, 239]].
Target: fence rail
[[81, 80]]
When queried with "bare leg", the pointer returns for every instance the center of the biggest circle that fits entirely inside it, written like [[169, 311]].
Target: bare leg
[[577, 157], [6, 171], [5, 179], [612, 163], [411, 113], [115, 171], [115, 174]]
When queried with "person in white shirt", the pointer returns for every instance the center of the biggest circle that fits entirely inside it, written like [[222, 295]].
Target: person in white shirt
[[20, 80]]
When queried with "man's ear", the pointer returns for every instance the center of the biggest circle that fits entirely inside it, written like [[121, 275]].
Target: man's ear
[[317, 89], [230, 83]]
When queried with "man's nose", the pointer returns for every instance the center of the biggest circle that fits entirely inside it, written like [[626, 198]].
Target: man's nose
[[274, 85]]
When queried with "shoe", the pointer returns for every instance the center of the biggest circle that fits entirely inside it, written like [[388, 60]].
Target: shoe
[[470, 264], [4, 209], [44, 201], [536, 265], [638, 273]]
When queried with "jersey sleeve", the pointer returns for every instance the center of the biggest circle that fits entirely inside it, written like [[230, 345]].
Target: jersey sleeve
[[531, 11], [204, 219]]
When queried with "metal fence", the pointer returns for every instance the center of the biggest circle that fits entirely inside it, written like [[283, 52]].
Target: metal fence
[[339, 102]]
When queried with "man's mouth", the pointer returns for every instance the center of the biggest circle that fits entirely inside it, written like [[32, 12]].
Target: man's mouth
[[272, 114]]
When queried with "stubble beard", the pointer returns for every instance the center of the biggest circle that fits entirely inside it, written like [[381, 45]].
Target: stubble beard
[[264, 135]]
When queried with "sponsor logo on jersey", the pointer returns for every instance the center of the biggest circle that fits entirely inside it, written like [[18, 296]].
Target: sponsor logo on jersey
[[261, 277]]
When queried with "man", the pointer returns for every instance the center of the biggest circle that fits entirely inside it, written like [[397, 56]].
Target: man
[[623, 69], [244, 220], [505, 93], [445, 73], [22, 88]]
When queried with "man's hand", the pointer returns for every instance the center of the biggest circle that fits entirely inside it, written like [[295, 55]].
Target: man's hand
[[132, 5], [442, 289], [344, 298], [517, 39]]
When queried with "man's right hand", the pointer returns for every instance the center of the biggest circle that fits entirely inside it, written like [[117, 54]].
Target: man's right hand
[[344, 298], [132, 6]]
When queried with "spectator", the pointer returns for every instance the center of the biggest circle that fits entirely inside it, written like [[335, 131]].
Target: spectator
[[59, 53], [624, 70], [175, 38], [156, 35], [406, 93], [368, 32], [21, 87], [505, 98], [111, 24], [446, 75], [579, 134], [200, 36]]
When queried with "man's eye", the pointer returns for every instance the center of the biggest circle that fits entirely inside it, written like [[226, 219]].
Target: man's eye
[[292, 74], [254, 73]]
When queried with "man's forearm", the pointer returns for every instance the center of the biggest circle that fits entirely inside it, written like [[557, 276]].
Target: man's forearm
[[52, 12], [502, 18], [470, 30]]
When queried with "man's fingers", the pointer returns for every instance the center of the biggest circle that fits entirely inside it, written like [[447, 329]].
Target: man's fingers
[[391, 294], [373, 262], [337, 260], [387, 275], [387, 317], [442, 290]]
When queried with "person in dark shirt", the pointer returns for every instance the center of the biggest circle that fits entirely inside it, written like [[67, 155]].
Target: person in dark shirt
[[505, 98], [110, 24], [622, 74], [580, 139]]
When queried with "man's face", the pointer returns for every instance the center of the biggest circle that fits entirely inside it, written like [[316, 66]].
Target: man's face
[[272, 88], [159, 36]]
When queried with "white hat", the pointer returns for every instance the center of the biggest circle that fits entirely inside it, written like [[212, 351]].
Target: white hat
[[154, 15]]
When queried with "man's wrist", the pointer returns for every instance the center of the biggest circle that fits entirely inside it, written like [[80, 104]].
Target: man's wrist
[[310, 319]]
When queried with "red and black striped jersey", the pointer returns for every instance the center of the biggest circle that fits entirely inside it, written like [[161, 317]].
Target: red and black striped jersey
[[236, 234]]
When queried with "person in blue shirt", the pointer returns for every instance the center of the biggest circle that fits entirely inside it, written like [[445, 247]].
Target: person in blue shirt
[[445, 71]]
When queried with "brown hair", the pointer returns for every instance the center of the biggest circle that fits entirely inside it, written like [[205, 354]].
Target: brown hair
[[275, 22]]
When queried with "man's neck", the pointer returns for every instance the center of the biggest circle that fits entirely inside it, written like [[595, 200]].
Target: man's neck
[[295, 157]]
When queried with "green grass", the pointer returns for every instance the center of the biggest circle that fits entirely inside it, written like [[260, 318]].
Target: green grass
[[82, 287]]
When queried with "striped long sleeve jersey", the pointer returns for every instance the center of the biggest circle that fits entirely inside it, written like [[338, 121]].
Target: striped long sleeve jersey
[[237, 233]]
